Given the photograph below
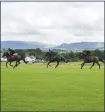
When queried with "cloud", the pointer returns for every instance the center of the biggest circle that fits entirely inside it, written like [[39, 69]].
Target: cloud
[[52, 22]]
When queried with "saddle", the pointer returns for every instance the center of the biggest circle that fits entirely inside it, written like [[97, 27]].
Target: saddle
[[15, 54], [52, 57], [89, 58]]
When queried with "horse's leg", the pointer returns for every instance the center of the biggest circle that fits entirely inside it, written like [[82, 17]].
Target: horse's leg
[[6, 64], [24, 61], [92, 65], [98, 64], [10, 64], [48, 63], [82, 65], [18, 62], [15, 65], [57, 64]]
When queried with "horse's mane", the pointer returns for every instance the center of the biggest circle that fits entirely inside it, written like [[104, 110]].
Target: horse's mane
[[84, 54], [5, 52]]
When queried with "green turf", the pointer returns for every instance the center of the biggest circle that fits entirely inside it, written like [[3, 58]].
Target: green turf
[[66, 88]]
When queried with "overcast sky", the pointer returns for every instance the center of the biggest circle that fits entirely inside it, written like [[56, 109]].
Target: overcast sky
[[53, 22]]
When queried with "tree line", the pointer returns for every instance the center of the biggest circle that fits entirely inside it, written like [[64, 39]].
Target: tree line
[[71, 55]]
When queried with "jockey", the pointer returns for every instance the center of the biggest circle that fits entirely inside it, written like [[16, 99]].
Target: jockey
[[89, 54], [52, 53], [11, 51]]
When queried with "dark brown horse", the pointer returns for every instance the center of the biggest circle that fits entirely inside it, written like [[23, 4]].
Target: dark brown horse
[[56, 58], [90, 59], [17, 58]]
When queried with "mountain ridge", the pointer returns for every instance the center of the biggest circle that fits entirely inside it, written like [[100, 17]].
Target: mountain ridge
[[66, 46]]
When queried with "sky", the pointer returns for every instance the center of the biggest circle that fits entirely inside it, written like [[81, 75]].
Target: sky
[[52, 22]]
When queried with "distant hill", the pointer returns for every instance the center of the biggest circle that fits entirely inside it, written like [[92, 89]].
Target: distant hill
[[82, 46], [24, 45], [33, 45]]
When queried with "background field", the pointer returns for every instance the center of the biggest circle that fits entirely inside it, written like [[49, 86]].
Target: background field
[[66, 88]]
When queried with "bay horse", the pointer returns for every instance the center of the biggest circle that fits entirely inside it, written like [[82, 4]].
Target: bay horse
[[90, 59], [57, 58], [12, 58]]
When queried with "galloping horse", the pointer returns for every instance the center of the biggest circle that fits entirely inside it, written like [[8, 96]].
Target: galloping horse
[[57, 58], [11, 58], [90, 59]]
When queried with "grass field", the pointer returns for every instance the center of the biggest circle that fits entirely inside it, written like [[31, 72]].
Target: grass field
[[66, 88]]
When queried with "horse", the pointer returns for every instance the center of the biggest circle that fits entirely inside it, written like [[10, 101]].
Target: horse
[[11, 58], [90, 59], [57, 58]]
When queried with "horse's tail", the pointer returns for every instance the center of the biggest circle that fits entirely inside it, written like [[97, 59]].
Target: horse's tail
[[23, 58], [100, 59], [63, 59], [25, 61]]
